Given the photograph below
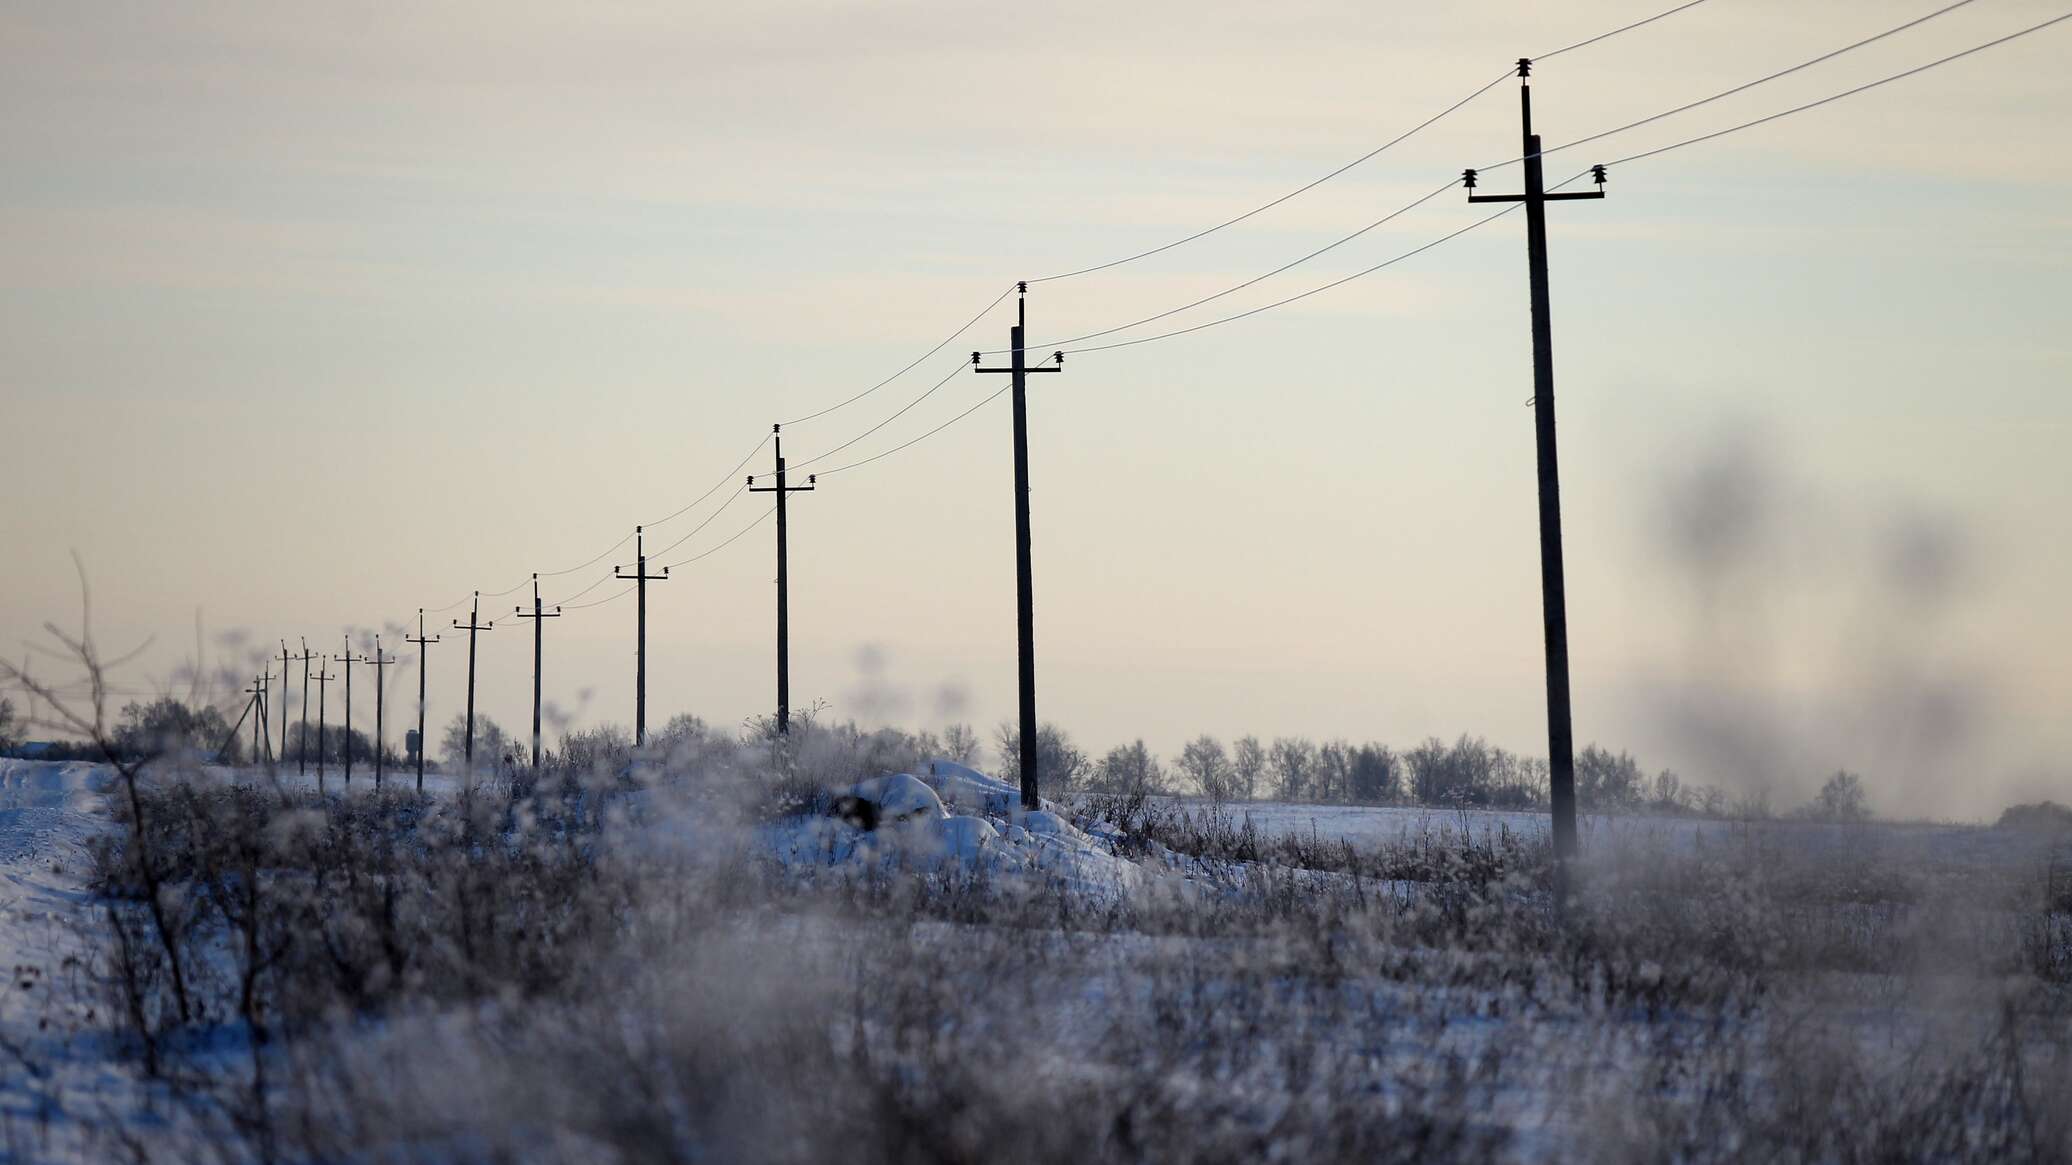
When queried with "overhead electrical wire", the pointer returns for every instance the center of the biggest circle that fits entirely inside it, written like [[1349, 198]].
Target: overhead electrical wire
[[1616, 162], [1745, 87], [818, 457], [947, 340], [1285, 267], [1801, 108], [1368, 156], [1615, 32], [996, 301], [709, 551], [909, 443], [1834, 97]]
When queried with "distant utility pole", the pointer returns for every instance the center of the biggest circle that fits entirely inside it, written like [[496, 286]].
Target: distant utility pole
[[783, 580], [422, 658], [250, 704], [643, 578], [258, 692], [285, 657], [1025, 586], [323, 679], [302, 747], [1553, 588], [473, 625], [539, 619], [349, 661], [380, 663]]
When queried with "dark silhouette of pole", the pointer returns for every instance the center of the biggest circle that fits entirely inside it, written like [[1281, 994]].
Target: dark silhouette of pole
[[1024, 577], [643, 578], [473, 625], [1561, 763], [231, 736], [302, 746], [422, 659], [285, 657], [380, 663], [258, 693], [323, 679], [783, 579], [539, 617], [349, 661]]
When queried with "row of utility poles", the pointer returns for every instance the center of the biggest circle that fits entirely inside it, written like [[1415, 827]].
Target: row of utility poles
[[1560, 736]]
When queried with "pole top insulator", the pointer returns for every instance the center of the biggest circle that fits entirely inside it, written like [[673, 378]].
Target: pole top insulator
[[1525, 66], [636, 529], [811, 478], [776, 428], [1022, 286], [974, 360], [1597, 174], [1058, 356], [1467, 178]]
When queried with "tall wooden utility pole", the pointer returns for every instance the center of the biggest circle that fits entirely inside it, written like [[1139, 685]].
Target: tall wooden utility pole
[[1561, 761], [349, 661], [783, 579], [643, 578], [539, 617], [323, 679], [302, 746], [1024, 578], [473, 625], [285, 657], [422, 643], [380, 663]]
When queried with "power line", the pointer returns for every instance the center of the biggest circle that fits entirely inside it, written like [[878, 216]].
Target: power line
[[903, 409], [731, 539], [1743, 88], [912, 441], [1300, 190], [1614, 32], [1997, 41], [947, 340], [1978, 48], [1288, 266], [709, 518], [1375, 152], [715, 485]]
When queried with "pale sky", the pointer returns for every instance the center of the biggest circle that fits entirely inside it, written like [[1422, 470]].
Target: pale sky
[[311, 315]]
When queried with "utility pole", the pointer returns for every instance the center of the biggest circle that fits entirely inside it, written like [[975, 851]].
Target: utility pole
[[473, 625], [323, 679], [539, 619], [1025, 585], [380, 663], [422, 659], [258, 693], [643, 578], [349, 662], [302, 747], [783, 580], [285, 657], [1553, 586]]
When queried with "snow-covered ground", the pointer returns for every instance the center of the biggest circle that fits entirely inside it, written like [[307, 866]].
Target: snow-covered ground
[[1606, 836], [951, 817]]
